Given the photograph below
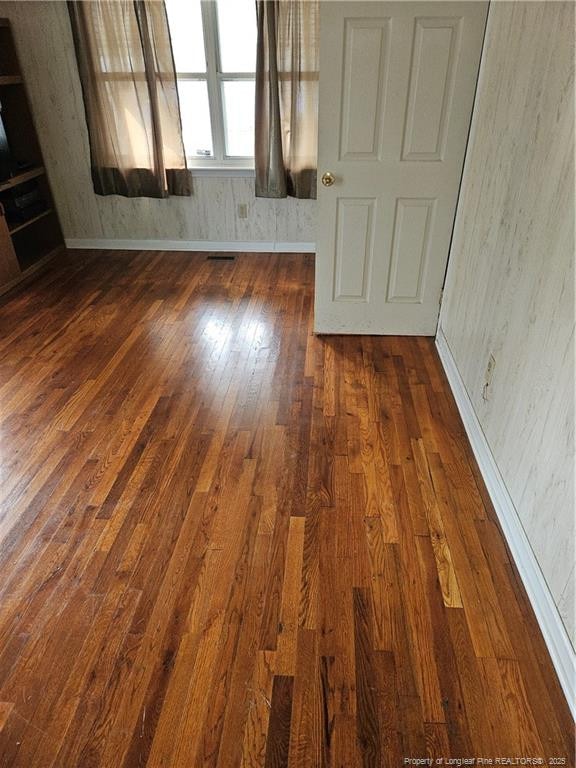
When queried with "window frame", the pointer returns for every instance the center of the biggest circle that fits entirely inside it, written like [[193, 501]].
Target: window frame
[[215, 78]]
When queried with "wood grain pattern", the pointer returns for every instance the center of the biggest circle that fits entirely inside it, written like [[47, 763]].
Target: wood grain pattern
[[227, 542]]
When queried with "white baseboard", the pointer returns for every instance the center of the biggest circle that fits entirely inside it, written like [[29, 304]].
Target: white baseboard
[[552, 627], [189, 245]]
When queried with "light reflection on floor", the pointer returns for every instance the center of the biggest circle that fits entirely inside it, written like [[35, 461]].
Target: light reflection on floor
[[248, 335]]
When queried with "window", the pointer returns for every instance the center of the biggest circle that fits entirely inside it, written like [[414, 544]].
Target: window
[[214, 43]]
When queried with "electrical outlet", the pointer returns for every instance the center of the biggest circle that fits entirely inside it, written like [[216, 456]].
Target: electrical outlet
[[242, 210], [488, 377]]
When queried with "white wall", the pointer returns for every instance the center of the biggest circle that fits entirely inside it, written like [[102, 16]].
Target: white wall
[[510, 283], [44, 41]]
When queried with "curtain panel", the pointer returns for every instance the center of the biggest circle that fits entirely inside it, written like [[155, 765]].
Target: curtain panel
[[286, 133], [128, 81]]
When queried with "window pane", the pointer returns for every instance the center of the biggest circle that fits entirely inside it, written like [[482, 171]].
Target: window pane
[[237, 31], [195, 112], [185, 22], [239, 117]]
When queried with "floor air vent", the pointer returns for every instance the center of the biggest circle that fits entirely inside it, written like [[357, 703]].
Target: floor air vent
[[220, 257]]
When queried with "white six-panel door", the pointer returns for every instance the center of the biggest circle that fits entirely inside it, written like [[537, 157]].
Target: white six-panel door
[[397, 83]]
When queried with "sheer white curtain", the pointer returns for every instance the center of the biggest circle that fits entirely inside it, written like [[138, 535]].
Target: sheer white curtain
[[128, 80], [286, 132]]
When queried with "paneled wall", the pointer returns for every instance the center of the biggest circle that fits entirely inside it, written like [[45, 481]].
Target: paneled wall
[[44, 39], [510, 283]]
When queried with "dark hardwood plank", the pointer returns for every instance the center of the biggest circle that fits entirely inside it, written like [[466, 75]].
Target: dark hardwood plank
[[367, 715], [278, 741]]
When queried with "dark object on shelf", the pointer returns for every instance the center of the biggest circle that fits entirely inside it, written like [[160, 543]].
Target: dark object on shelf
[[26, 199], [22, 202]]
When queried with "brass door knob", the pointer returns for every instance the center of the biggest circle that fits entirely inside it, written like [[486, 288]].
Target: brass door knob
[[328, 179]]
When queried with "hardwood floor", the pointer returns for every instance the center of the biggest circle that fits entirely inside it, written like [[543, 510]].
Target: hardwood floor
[[224, 541]]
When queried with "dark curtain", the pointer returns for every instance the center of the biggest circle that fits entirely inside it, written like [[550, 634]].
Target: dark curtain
[[286, 133], [128, 80]]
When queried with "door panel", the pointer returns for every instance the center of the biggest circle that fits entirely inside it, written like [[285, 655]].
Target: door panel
[[397, 84], [413, 228], [365, 49], [355, 225], [434, 53]]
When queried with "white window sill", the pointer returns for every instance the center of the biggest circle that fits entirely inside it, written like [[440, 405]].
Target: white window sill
[[222, 172]]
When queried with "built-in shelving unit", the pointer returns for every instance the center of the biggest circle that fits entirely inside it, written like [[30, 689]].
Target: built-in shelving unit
[[29, 234]]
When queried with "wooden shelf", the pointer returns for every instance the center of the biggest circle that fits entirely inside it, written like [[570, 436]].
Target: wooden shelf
[[33, 173], [10, 80], [27, 223], [23, 244]]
